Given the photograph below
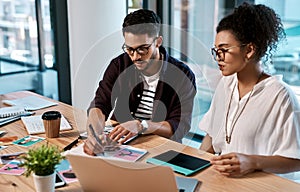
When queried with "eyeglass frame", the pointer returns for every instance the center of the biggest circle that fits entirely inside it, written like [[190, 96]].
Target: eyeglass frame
[[144, 46], [215, 51]]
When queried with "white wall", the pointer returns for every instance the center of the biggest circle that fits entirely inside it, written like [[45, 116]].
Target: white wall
[[95, 38]]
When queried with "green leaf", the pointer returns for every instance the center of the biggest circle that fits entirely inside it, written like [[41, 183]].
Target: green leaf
[[42, 160]]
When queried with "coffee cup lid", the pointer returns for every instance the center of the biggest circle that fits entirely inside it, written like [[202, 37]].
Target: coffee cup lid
[[51, 115]]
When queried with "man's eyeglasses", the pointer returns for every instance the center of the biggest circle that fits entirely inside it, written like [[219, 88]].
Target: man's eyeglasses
[[219, 53], [141, 50]]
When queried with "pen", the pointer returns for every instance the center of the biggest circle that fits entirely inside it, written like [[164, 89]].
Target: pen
[[94, 135], [68, 147], [2, 133]]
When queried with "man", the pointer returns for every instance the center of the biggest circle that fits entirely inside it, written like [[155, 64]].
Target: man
[[149, 91]]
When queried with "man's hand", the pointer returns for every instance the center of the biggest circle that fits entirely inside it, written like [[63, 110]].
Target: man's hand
[[95, 127], [125, 131], [92, 146]]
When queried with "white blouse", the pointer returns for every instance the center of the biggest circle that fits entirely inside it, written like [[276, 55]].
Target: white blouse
[[268, 125]]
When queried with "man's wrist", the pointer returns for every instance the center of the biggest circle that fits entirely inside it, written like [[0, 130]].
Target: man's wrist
[[145, 126]]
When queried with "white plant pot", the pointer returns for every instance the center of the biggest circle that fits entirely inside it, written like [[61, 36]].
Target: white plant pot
[[44, 183]]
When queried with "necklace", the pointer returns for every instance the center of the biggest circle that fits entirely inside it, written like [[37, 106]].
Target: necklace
[[228, 137]]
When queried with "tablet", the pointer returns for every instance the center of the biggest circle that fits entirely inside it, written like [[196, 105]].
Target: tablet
[[180, 162]]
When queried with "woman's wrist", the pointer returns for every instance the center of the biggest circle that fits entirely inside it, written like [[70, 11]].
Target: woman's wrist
[[255, 162]]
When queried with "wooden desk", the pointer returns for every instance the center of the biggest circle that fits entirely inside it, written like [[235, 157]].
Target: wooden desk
[[211, 180], [76, 118]]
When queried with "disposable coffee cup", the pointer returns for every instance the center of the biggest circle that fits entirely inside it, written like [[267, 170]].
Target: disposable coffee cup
[[51, 120]]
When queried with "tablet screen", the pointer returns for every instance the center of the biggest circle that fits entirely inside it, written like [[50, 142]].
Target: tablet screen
[[178, 160]]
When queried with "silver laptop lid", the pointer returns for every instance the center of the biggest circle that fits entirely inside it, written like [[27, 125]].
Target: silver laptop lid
[[107, 175]]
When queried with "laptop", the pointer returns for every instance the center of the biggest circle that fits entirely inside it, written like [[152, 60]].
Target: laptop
[[110, 175]]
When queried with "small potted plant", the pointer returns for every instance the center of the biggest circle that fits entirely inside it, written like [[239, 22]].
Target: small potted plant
[[41, 161]]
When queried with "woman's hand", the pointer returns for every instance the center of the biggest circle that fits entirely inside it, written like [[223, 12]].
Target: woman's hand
[[233, 164]]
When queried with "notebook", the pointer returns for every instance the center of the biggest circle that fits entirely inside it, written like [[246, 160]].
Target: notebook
[[11, 114], [180, 162], [120, 152], [11, 111], [109, 175]]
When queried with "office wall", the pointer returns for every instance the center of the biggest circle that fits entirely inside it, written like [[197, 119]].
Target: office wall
[[95, 38]]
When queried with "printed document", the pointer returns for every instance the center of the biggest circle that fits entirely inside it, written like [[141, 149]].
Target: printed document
[[35, 125]]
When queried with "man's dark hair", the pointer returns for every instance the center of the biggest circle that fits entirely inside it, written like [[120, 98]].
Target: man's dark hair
[[142, 21]]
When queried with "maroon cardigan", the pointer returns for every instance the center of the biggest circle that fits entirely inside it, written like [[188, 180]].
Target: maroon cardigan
[[122, 87]]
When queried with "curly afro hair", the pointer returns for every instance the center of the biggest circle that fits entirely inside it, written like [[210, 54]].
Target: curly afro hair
[[257, 24]]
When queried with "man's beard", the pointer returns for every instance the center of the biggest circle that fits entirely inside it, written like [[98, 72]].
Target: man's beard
[[151, 61]]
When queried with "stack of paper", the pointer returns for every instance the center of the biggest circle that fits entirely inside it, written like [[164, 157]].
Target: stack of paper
[[30, 103]]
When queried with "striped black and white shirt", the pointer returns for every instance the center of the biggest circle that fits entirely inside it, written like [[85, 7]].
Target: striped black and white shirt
[[145, 108]]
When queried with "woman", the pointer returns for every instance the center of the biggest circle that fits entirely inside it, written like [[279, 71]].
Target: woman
[[254, 121]]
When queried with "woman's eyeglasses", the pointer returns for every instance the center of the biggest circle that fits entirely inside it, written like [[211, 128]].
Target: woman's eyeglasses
[[141, 50], [219, 53]]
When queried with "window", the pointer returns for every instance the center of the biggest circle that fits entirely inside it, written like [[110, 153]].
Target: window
[[18, 36], [193, 26], [21, 44], [286, 60], [192, 35], [133, 5]]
